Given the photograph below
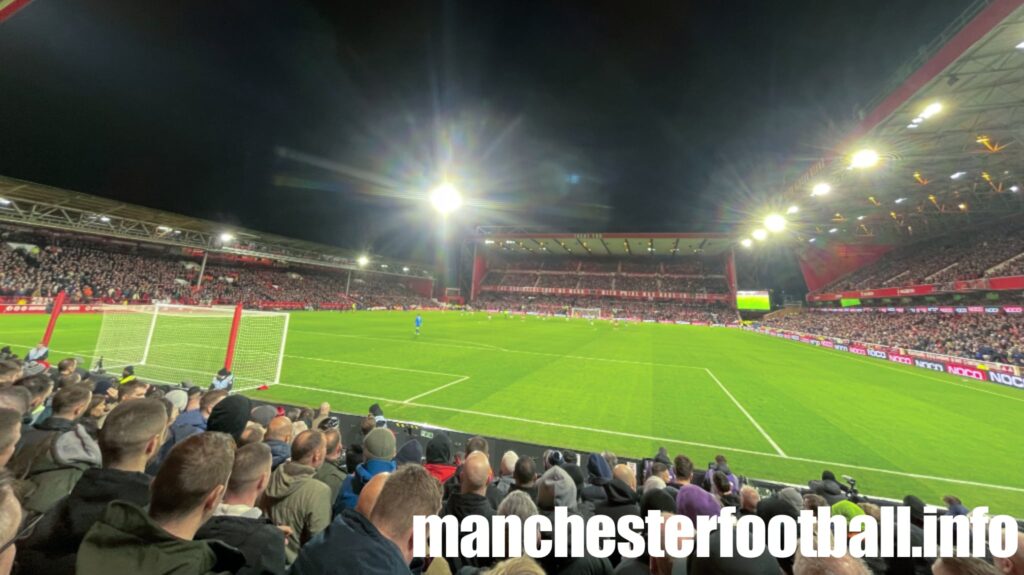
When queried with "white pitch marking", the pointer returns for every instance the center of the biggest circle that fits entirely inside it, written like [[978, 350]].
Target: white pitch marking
[[749, 417]]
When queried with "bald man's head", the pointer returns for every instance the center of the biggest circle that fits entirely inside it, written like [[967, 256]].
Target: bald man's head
[[624, 474], [371, 491], [280, 428], [475, 472]]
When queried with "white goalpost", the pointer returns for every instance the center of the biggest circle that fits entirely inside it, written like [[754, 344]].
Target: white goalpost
[[585, 312], [169, 343]]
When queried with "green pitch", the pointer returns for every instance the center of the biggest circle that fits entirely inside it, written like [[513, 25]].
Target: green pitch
[[779, 410]]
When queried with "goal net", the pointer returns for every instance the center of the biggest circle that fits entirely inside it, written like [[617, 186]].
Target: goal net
[[586, 312], [174, 343]]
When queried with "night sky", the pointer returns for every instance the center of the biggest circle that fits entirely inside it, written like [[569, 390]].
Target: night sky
[[329, 120]]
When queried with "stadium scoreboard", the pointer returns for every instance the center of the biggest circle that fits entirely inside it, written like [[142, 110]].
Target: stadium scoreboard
[[753, 300]]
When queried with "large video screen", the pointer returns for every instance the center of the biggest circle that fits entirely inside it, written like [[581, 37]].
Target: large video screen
[[753, 300]]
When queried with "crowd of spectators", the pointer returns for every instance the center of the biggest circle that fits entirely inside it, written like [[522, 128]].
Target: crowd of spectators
[[108, 475], [691, 311], [965, 255], [116, 272], [677, 265], [989, 337]]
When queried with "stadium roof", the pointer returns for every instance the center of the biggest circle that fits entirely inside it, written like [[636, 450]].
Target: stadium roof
[[32, 204], [524, 241], [948, 138]]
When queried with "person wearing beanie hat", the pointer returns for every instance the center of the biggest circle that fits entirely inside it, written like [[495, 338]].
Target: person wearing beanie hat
[[378, 457], [598, 474], [555, 489], [693, 501], [410, 452], [439, 457], [262, 414], [230, 416], [658, 500], [178, 398]]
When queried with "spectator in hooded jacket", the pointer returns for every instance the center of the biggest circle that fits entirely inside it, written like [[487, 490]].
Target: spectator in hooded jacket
[[187, 423], [56, 459], [380, 543], [159, 539], [131, 436], [379, 455], [598, 474], [295, 498], [440, 457], [239, 523]]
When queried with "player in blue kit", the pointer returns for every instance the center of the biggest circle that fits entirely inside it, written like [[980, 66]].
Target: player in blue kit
[[419, 323]]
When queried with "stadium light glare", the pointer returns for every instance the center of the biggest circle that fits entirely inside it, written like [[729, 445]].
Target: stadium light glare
[[917, 120], [445, 198], [821, 189], [930, 110], [860, 218], [812, 240], [5, 202], [1020, 46], [865, 158], [759, 235], [775, 223], [792, 210], [226, 237], [1014, 188], [900, 200], [489, 242], [963, 207], [405, 269], [912, 126], [746, 242], [104, 219], [362, 260], [384, 266], [957, 175], [833, 230]]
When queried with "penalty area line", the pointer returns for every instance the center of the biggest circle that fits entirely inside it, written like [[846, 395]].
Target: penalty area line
[[753, 421], [438, 388]]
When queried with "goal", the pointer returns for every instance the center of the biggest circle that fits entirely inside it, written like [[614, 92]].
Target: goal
[[586, 312], [173, 343]]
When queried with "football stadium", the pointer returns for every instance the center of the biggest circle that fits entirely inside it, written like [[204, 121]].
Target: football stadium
[[190, 391]]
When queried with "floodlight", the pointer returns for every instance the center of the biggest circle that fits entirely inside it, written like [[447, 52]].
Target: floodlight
[[917, 120], [384, 266], [445, 198], [1020, 46], [104, 219], [759, 235], [865, 158], [405, 269], [792, 210], [1014, 188], [363, 260], [860, 218], [775, 223], [900, 200], [962, 206], [746, 242], [5, 202], [957, 175], [931, 109], [226, 237], [912, 126], [833, 230], [812, 240], [821, 189]]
